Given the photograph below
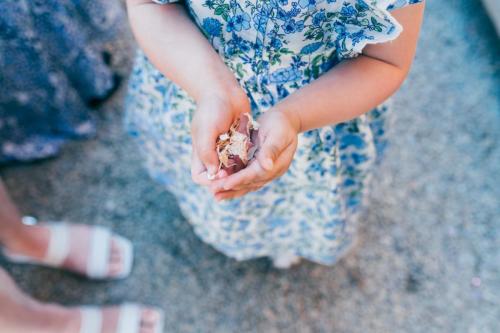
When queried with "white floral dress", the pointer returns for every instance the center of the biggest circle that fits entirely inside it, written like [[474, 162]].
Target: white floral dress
[[273, 47]]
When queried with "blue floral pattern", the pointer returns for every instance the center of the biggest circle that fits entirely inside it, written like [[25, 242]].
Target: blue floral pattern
[[273, 47]]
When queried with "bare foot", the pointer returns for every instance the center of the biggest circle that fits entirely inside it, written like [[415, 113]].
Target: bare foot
[[22, 314], [34, 241]]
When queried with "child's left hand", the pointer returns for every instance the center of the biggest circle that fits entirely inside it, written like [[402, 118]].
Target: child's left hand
[[278, 132]]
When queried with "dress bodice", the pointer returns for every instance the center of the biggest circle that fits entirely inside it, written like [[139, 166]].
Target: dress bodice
[[276, 46]]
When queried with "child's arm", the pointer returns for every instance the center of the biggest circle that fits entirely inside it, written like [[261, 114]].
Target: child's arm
[[348, 90], [357, 86], [180, 51]]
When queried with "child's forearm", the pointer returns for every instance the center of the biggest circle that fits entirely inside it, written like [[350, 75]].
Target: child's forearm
[[358, 85], [178, 48], [345, 92]]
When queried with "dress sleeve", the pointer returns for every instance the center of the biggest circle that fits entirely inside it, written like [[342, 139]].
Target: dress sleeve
[[367, 22], [395, 4]]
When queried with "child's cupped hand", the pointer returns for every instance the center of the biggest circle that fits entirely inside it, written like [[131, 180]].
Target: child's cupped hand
[[214, 115], [278, 136]]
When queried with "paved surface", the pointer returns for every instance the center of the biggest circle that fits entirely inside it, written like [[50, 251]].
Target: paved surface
[[430, 260]]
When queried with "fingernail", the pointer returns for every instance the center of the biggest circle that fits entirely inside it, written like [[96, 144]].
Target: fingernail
[[268, 164], [212, 172]]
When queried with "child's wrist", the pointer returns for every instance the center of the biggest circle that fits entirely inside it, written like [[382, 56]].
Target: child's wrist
[[218, 81], [229, 93], [292, 116]]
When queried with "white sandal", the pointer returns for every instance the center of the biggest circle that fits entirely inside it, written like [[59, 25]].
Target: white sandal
[[129, 319], [98, 256]]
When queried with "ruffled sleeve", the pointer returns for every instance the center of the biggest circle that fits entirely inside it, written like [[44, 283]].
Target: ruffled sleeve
[[367, 22], [395, 4]]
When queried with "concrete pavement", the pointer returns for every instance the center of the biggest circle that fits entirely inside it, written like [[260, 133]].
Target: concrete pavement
[[430, 257]]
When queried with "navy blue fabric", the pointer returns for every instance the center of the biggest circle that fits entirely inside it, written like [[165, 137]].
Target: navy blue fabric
[[52, 65]]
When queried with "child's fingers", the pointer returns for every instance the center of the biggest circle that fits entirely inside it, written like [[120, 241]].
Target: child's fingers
[[206, 150], [198, 171], [230, 194], [217, 188], [226, 195], [271, 148], [267, 155], [255, 173], [217, 185], [259, 179], [252, 173]]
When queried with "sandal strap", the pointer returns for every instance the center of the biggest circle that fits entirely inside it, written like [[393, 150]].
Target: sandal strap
[[99, 252], [160, 323], [59, 244], [91, 319], [129, 319]]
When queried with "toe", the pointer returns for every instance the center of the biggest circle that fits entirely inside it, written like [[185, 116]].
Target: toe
[[115, 251], [150, 318], [150, 315], [115, 259], [121, 251], [115, 268]]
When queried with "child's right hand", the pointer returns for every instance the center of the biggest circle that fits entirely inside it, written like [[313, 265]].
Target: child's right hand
[[214, 115]]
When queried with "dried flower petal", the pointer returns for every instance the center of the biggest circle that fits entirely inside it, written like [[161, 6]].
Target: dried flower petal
[[237, 147]]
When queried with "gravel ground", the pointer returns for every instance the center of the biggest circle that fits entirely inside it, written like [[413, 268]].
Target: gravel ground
[[430, 259]]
